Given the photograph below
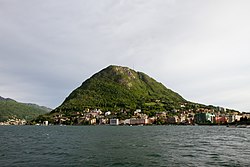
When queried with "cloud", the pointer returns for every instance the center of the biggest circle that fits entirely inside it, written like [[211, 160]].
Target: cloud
[[197, 48]]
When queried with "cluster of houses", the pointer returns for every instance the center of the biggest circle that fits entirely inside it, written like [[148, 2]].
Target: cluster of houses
[[205, 118], [219, 117], [97, 117], [14, 121], [200, 116]]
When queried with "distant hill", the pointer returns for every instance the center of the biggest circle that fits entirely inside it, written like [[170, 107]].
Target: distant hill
[[10, 108], [115, 88]]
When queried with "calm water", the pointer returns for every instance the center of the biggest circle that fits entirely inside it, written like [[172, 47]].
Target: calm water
[[124, 146]]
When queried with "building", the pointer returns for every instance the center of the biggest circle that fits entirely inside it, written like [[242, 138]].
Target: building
[[231, 118], [92, 121], [210, 117], [138, 111], [134, 121], [107, 113], [126, 122], [221, 119], [183, 118], [114, 121], [204, 118], [102, 121], [238, 117], [161, 114], [45, 123], [171, 120]]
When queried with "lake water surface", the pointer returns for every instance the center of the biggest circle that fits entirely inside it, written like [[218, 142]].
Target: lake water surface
[[124, 146]]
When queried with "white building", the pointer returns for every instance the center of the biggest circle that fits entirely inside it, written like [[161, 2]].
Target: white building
[[45, 123], [238, 117], [137, 111], [114, 121], [107, 113]]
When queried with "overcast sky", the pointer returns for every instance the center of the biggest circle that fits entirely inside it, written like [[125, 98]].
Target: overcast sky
[[198, 48]]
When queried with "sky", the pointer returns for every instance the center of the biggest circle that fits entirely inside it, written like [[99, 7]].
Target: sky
[[198, 48]]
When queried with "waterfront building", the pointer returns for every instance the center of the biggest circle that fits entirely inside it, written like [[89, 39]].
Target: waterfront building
[[140, 121], [231, 118], [183, 118], [203, 118], [238, 117], [210, 117], [171, 120], [221, 119], [114, 121], [102, 121], [126, 122], [92, 121], [45, 123]]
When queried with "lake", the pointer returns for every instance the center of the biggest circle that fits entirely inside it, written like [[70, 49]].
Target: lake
[[124, 146]]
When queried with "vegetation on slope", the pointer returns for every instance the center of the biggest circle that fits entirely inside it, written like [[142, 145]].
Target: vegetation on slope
[[10, 108], [115, 88]]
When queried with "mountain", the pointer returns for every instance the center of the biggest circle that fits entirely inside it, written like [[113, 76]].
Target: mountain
[[10, 108], [119, 88]]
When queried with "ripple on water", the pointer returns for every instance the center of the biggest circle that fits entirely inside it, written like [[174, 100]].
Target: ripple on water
[[124, 146], [154, 155]]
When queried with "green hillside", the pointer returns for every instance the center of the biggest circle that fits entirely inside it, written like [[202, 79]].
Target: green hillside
[[115, 88], [10, 108]]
